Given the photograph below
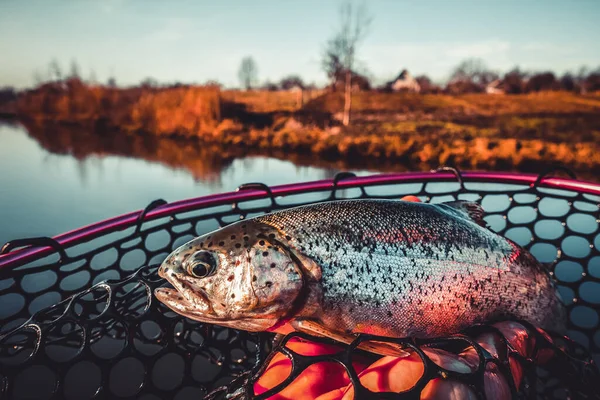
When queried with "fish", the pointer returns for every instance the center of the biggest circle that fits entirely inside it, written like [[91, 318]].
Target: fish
[[364, 266]]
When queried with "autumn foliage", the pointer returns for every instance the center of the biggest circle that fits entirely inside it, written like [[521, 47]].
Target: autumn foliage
[[470, 130], [180, 111]]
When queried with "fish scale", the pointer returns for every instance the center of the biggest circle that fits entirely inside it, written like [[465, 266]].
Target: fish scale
[[419, 269]]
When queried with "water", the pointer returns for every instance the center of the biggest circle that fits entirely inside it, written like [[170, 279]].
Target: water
[[45, 193], [54, 181]]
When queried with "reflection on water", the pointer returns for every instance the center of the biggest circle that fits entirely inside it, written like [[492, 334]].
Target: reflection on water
[[205, 162], [56, 180]]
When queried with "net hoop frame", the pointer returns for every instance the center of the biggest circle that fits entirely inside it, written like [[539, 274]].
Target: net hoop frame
[[41, 247]]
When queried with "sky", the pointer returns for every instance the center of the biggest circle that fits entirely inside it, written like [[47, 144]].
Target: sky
[[197, 41]]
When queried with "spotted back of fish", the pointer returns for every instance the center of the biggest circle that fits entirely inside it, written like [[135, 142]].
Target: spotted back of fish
[[403, 268]]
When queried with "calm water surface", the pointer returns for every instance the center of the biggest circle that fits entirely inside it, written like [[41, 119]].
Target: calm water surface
[[52, 182], [43, 193]]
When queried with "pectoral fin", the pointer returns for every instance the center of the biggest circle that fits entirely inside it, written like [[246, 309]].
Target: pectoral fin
[[382, 348]]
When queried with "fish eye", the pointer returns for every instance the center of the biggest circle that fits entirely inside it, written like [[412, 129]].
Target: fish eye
[[202, 264]]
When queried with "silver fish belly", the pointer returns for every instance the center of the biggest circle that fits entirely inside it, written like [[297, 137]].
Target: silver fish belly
[[415, 269]]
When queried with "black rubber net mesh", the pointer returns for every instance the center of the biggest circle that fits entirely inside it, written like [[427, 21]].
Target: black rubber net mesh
[[83, 323]]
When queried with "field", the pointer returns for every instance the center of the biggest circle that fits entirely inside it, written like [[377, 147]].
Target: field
[[475, 130], [471, 130]]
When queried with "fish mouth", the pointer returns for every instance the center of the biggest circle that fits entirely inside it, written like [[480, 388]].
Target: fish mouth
[[198, 308], [173, 299], [183, 298]]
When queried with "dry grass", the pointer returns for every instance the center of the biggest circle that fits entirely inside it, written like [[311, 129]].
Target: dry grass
[[468, 104], [178, 111], [185, 111], [474, 130], [260, 101], [371, 148]]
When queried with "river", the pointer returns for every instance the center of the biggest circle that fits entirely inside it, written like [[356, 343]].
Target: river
[[51, 186], [52, 181]]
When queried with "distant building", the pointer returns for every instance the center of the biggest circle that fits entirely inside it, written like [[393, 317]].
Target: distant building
[[295, 88], [404, 82], [495, 87]]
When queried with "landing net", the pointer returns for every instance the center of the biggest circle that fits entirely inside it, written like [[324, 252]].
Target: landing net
[[78, 319]]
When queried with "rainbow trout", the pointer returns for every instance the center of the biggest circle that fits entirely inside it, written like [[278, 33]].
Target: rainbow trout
[[385, 267]]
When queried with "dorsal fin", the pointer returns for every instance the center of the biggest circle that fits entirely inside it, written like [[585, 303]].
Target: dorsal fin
[[472, 210]]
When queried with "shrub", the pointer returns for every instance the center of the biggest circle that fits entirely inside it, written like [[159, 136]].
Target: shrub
[[542, 81]]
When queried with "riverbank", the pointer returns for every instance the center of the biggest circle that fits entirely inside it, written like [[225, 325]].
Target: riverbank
[[471, 131], [207, 161]]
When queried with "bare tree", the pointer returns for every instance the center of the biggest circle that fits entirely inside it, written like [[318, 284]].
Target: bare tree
[[514, 81], [542, 81], [332, 61], [291, 81], [248, 72], [149, 83], [340, 53], [92, 77], [270, 86], [569, 83], [37, 78], [426, 85], [472, 75], [54, 71], [74, 74], [592, 81]]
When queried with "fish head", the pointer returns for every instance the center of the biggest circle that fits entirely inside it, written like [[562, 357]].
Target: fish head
[[241, 276]]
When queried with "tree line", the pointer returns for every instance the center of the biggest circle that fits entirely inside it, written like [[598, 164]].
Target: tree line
[[470, 76], [340, 62], [342, 67]]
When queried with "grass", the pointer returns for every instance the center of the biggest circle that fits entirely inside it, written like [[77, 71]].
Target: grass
[[178, 111], [181, 111], [267, 102], [440, 105], [473, 130]]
